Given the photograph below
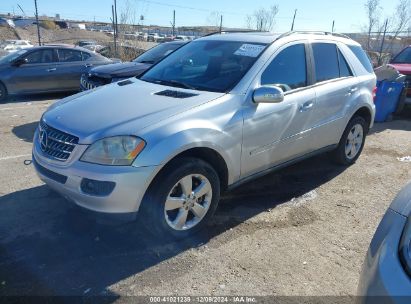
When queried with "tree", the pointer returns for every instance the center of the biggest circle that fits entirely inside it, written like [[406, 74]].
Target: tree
[[262, 19], [372, 8], [214, 19]]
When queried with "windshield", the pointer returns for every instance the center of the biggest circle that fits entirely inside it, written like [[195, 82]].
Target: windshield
[[403, 57], [215, 66], [12, 56], [157, 53]]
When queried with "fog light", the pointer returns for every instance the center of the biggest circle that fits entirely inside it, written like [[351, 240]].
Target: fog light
[[97, 188]]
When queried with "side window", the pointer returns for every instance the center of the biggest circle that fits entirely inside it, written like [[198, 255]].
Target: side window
[[85, 56], [362, 57], [288, 69], [68, 55], [345, 70], [326, 61], [41, 56]]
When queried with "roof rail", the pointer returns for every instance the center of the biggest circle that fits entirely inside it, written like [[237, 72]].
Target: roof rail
[[233, 32], [313, 32]]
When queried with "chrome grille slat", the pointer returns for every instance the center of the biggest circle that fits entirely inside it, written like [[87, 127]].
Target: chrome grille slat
[[59, 145]]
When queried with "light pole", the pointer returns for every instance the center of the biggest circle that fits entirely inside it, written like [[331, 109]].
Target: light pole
[[37, 22]]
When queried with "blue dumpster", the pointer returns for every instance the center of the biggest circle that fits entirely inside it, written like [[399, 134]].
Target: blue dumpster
[[386, 101]]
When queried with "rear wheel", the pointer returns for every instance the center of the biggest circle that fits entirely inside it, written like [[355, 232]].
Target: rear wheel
[[182, 198], [3, 93], [352, 142]]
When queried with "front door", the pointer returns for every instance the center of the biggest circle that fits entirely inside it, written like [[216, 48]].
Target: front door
[[37, 75], [276, 133]]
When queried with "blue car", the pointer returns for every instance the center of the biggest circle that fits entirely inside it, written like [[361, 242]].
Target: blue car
[[386, 274]]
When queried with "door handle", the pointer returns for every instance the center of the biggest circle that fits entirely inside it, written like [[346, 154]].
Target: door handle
[[352, 90], [51, 70], [87, 65], [306, 106]]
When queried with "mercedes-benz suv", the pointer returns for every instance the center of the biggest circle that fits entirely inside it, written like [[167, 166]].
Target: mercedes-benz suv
[[215, 113]]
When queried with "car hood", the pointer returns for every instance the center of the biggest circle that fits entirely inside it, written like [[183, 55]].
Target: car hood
[[119, 109], [126, 69], [403, 68]]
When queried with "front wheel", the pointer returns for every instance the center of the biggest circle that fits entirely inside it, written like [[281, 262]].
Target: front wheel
[[181, 199], [352, 142]]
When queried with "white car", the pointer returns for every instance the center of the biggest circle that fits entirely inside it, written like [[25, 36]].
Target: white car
[[15, 45]]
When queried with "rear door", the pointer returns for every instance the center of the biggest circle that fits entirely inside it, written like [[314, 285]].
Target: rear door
[[69, 68], [37, 75], [335, 88]]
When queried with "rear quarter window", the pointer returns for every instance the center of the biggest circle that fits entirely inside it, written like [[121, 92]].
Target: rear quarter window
[[362, 57]]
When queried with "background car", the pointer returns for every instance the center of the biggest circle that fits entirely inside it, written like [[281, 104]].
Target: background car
[[7, 22], [402, 62], [45, 69], [15, 45], [386, 274], [115, 72]]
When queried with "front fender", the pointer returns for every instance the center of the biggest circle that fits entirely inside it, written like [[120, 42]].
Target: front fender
[[226, 144]]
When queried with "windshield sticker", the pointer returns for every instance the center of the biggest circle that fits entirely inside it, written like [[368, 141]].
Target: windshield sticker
[[249, 50]]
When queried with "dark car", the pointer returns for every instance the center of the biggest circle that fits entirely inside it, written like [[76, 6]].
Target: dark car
[[45, 69], [386, 273], [115, 72], [402, 62]]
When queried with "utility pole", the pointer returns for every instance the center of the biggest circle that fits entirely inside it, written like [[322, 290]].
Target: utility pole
[[115, 15], [292, 25], [382, 42], [174, 22], [332, 29], [114, 30], [221, 23], [37, 22]]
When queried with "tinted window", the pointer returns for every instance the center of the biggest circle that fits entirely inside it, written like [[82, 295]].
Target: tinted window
[[345, 70], [403, 57], [208, 65], [85, 56], [288, 69], [362, 57], [68, 55], [41, 56], [326, 61], [157, 53]]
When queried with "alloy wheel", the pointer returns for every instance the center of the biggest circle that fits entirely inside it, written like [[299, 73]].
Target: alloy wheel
[[188, 202]]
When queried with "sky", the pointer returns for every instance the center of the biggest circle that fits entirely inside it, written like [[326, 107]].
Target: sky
[[349, 15]]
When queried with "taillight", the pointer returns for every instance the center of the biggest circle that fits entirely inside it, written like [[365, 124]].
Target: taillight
[[374, 93]]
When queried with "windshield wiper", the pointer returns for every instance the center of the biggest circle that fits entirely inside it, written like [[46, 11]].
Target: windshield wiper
[[146, 61], [175, 83]]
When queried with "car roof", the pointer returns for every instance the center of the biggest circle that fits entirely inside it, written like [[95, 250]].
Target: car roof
[[267, 37], [61, 46]]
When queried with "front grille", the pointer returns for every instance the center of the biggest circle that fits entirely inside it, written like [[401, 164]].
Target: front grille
[[55, 143], [92, 81]]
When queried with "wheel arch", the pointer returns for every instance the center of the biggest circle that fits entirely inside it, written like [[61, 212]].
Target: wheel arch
[[365, 113], [209, 155]]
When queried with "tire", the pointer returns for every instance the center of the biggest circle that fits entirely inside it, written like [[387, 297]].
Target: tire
[[169, 200], [401, 102], [3, 93], [354, 136]]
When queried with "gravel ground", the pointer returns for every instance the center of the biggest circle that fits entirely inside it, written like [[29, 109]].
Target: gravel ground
[[303, 230]]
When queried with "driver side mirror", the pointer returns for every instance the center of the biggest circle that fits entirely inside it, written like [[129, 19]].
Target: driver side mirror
[[20, 61], [268, 94]]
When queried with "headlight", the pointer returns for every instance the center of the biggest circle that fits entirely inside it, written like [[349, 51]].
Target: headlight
[[405, 247], [114, 151]]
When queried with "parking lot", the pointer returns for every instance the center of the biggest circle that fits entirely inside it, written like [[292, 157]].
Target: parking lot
[[303, 230]]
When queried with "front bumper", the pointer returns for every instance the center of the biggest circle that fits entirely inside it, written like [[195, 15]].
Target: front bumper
[[383, 279], [130, 183]]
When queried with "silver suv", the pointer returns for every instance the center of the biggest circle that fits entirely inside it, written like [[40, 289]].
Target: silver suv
[[216, 113]]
